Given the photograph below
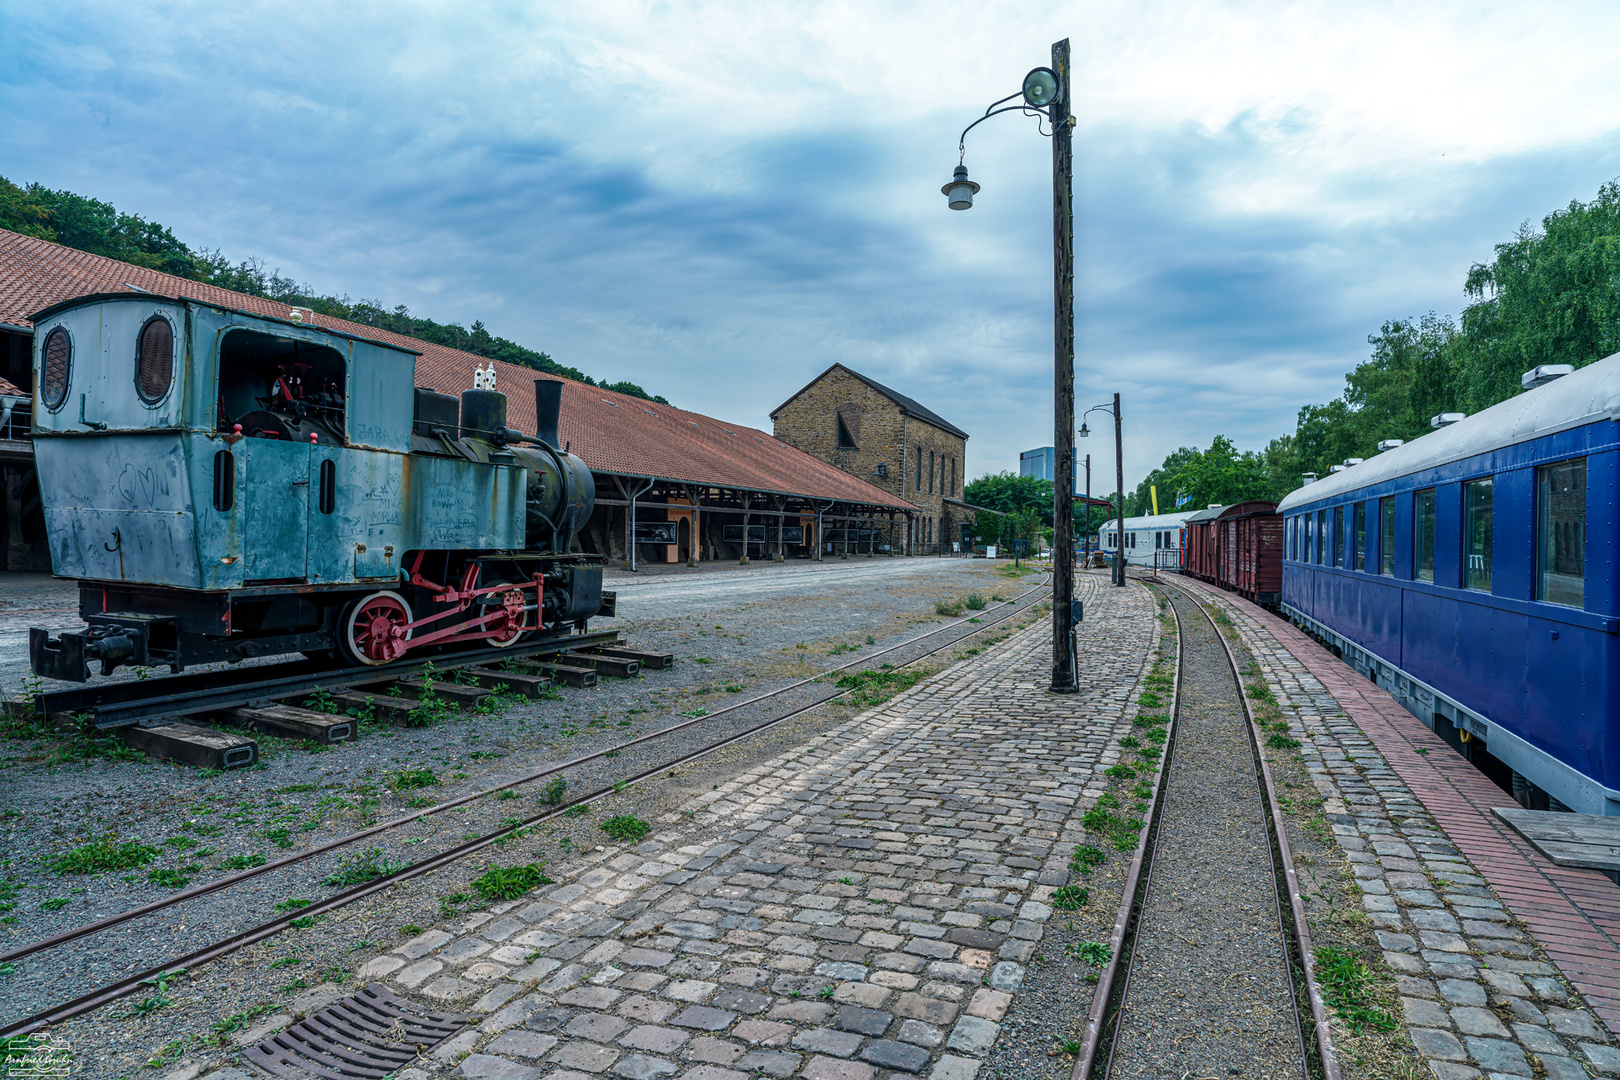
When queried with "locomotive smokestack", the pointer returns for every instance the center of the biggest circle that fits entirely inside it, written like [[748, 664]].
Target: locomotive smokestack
[[547, 407]]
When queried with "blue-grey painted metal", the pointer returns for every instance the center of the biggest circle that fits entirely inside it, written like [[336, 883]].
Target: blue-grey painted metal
[[281, 456], [1537, 681]]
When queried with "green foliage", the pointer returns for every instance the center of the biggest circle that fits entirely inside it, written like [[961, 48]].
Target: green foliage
[[1344, 980], [510, 882], [103, 857], [1221, 474], [625, 827], [874, 687], [368, 865], [97, 227], [178, 878], [1094, 953], [1282, 742], [948, 608], [409, 779], [1086, 858], [1070, 897], [552, 793], [973, 602]]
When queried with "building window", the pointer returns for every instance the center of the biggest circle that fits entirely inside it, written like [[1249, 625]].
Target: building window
[[1423, 535], [1478, 499], [930, 472], [1386, 536], [1358, 541], [1561, 533], [846, 441], [918, 485]]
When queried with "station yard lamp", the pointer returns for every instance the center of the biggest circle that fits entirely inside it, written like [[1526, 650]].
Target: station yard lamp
[[1119, 480], [1045, 96]]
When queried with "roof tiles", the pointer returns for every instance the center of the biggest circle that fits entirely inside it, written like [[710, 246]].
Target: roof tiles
[[612, 432]]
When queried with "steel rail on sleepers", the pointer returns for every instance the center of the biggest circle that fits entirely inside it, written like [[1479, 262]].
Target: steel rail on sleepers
[[130, 984], [130, 701], [1283, 856], [1110, 1003]]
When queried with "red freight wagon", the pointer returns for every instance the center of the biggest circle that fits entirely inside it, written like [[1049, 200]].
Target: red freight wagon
[[1237, 547]]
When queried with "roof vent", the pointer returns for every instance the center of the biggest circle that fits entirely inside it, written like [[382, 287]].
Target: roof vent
[[1542, 374], [1349, 461], [1214, 506], [1307, 478], [1446, 419], [1390, 444], [1336, 468]]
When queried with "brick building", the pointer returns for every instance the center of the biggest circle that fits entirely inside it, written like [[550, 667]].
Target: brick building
[[889, 440]]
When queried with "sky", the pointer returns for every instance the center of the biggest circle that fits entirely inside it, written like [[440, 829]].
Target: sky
[[719, 200]]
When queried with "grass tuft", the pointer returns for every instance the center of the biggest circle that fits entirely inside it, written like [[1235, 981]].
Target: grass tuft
[[103, 857], [627, 828], [509, 882]]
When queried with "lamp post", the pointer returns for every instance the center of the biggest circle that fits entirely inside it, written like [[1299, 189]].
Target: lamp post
[[1088, 512], [1045, 93], [1119, 481]]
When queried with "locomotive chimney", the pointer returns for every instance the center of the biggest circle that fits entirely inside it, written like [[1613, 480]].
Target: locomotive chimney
[[547, 407]]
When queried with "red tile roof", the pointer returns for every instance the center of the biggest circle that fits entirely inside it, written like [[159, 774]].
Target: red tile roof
[[612, 432], [10, 388]]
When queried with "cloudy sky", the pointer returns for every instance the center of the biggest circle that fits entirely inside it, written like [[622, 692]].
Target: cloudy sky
[[717, 200]]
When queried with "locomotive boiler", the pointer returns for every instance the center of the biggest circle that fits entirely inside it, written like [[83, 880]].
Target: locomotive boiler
[[226, 485]]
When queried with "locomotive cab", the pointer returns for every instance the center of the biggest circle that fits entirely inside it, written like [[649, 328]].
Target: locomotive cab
[[225, 485]]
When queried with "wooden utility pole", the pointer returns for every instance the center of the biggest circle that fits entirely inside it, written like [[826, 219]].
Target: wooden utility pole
[[1063, 661]]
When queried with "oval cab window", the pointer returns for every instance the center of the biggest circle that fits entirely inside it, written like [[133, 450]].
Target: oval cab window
[[56, 364], [154, 364]]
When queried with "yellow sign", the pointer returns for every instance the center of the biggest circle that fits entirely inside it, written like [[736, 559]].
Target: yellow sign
[[1154, 491]]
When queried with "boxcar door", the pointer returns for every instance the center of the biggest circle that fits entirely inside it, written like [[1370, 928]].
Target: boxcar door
[[275, 508]]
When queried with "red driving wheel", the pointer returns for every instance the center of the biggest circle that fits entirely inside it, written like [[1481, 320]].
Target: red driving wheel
[[375, 629], [511, 629]]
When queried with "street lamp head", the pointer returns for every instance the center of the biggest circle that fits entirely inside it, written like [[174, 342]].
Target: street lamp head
[[1041, 87], [1084, 431], [960, 190]]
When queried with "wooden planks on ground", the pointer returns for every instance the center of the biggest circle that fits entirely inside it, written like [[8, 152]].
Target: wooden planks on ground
[[1568, 839]]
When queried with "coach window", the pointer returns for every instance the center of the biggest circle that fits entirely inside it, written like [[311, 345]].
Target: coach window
[[1478, 499], [1358, 541], [1386, 537], [1561, 533], [1423, 535], [1337, 558], [1323, 541]]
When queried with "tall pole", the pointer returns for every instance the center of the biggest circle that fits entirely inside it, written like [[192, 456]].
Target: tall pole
[[1119, 481], [1063, 665], [1088, 511]]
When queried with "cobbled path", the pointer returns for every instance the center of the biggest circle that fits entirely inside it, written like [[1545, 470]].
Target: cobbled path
[[1209, 990], [1479, 995], [864, 905]]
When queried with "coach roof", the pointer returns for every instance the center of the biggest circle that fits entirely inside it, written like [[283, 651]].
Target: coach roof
[[1584, 397]]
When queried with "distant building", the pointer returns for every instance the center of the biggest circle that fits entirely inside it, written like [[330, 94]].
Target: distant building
[[888, 440], [1041, 463]]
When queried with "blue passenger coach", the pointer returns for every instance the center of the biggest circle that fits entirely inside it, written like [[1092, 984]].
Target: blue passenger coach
[[1472, 573]]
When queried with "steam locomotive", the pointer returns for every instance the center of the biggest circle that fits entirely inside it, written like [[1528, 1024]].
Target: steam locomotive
[[227, 485]]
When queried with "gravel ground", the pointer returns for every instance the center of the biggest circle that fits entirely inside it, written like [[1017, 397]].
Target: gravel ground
[[1209, 988], [732, 640]]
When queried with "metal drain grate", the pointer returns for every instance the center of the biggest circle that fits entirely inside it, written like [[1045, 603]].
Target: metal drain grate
[[363, 1037]]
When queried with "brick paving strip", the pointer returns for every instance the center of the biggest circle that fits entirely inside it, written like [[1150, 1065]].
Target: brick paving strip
[[861, 906], [1475, 923]]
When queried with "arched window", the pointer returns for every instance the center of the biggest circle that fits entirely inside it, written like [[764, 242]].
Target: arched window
[[56, 368], [154, 360]]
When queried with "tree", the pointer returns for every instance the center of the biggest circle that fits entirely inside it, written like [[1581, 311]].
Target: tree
[[1009, 493]]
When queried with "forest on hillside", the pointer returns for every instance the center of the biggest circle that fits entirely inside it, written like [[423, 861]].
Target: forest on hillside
[[1551, 295], [87, 224]]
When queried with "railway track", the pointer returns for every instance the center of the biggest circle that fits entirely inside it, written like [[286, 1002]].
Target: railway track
[[1211, 951], [230, 942]]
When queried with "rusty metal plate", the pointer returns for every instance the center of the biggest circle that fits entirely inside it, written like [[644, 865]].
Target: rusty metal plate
[[363, 1037]]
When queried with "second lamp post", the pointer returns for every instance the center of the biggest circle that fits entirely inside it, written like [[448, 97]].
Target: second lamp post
[[1119, 481]]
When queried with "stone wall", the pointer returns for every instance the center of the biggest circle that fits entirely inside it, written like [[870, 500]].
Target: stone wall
[[885, 451]]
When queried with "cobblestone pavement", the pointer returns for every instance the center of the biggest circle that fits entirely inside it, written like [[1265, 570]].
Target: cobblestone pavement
[[1480, 996], [861, 906]]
